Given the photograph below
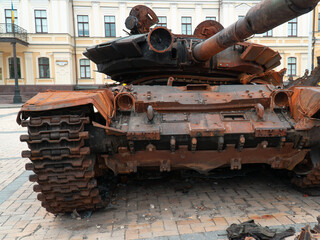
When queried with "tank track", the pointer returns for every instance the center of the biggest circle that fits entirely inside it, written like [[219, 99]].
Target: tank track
[[311, 180], [61, 161]]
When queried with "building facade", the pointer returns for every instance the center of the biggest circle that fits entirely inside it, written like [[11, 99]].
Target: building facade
[[60, 30]]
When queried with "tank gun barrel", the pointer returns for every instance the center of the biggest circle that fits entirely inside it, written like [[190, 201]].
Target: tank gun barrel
[[261, 18]]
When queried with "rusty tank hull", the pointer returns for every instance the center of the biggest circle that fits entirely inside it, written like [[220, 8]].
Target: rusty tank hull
[[175, 108]]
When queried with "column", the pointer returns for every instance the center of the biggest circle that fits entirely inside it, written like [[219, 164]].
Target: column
[[64, 17], [24, 13], [95, 25], [54, 23], [174, 18], [198, 15], [122, 17], [29, 68]]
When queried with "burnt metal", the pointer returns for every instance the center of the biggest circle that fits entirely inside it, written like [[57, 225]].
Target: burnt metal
[[308, 234], [307, 80], [180, 105], [63, 172], [140, 19], [207, 29], [160, 39]]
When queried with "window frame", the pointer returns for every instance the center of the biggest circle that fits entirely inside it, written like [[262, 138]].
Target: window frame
[[291, 23], [185, 25], [11, 65], [42, 65], [268, 33], [85, 68], [41, 20], [109, 23], [162, 24], [214, 18], [83, 26], [290, 66], [9, 18]]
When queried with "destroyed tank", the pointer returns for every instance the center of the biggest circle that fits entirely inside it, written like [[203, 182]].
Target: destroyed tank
[[199, 102]]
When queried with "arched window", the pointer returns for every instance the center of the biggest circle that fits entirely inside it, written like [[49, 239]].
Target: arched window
[[85, 68], [11, 68], [292, 66], [44, 69]]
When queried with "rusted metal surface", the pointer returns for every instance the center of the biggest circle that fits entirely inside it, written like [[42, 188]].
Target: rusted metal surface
[[140, 19], [308, 234], [305, 102], [307, 80], [261, 18], [160, 39], [50, 100], [63, 172], [207, 29], [203, 161]]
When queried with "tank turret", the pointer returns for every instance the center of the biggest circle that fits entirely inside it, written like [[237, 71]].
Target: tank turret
[[212, 55]]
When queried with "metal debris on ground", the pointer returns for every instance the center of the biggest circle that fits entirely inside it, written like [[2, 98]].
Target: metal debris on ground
[[251, 230], [310, 234], [75, 214]]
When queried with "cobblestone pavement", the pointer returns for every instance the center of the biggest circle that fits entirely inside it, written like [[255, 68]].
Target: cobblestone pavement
[[169, 208]]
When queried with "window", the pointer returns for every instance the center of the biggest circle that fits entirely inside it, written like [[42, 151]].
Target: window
[[292, 66], [318, 21], [240, 17], [110, 26], [292, 28], [186, 25], [83, 26], [85, 68], [162, 22], [8, 14], [11, 68], [268, 34], [44, 70], [41, 21], [211, 18]]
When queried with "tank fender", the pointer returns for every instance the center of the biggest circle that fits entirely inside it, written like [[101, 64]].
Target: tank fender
[[102, 100], [305, 102]]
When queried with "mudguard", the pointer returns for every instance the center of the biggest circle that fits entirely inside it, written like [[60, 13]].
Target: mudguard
[[102, 100]]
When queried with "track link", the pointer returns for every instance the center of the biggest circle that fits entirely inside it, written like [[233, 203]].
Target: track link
[[63, 166]]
